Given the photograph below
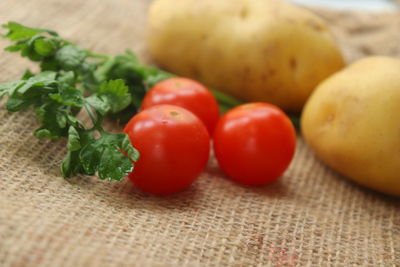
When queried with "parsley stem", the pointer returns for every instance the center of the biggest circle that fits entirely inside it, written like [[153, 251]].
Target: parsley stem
[[151, 76], [96, 55], [91, 114], [225, 100]]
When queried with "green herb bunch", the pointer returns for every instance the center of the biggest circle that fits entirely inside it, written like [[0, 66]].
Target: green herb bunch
[[72, 79]]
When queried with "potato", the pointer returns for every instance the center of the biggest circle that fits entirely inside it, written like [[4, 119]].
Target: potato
[[352, 123], [255, 50]]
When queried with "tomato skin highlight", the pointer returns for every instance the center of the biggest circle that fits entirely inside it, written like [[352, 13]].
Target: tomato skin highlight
[[188, 94], [174, 148], [254, 143]]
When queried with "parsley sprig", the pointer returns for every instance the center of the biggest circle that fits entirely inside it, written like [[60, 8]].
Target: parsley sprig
[[72, 79]]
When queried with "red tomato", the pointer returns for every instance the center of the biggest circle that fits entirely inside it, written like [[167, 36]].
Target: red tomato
[[254, 143], [174, 148], [188, 94]]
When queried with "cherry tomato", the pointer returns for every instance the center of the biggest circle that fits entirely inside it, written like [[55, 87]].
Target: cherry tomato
[[188, 94], [254, 143], [173, 145]]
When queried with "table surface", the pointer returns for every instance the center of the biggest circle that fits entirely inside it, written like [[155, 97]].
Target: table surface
[[311, 217]]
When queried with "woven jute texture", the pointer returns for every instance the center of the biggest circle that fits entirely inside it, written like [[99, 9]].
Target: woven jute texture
[[311, 217]]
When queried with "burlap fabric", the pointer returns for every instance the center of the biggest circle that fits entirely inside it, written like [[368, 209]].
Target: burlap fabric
[[311, 217]]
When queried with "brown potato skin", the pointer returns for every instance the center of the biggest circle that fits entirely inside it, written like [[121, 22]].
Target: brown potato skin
[[254, 50], [351, 121]]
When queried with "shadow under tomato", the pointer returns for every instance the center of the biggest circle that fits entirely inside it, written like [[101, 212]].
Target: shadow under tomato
[[132, 197], [276, 189]]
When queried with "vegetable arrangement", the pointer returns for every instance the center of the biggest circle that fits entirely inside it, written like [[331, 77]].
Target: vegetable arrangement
[[277, 52], [167, 142]]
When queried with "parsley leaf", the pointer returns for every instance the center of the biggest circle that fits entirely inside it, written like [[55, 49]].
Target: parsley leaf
[[18, 32], [115, 93], [104, 156], [46, 46], [70, 57]]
